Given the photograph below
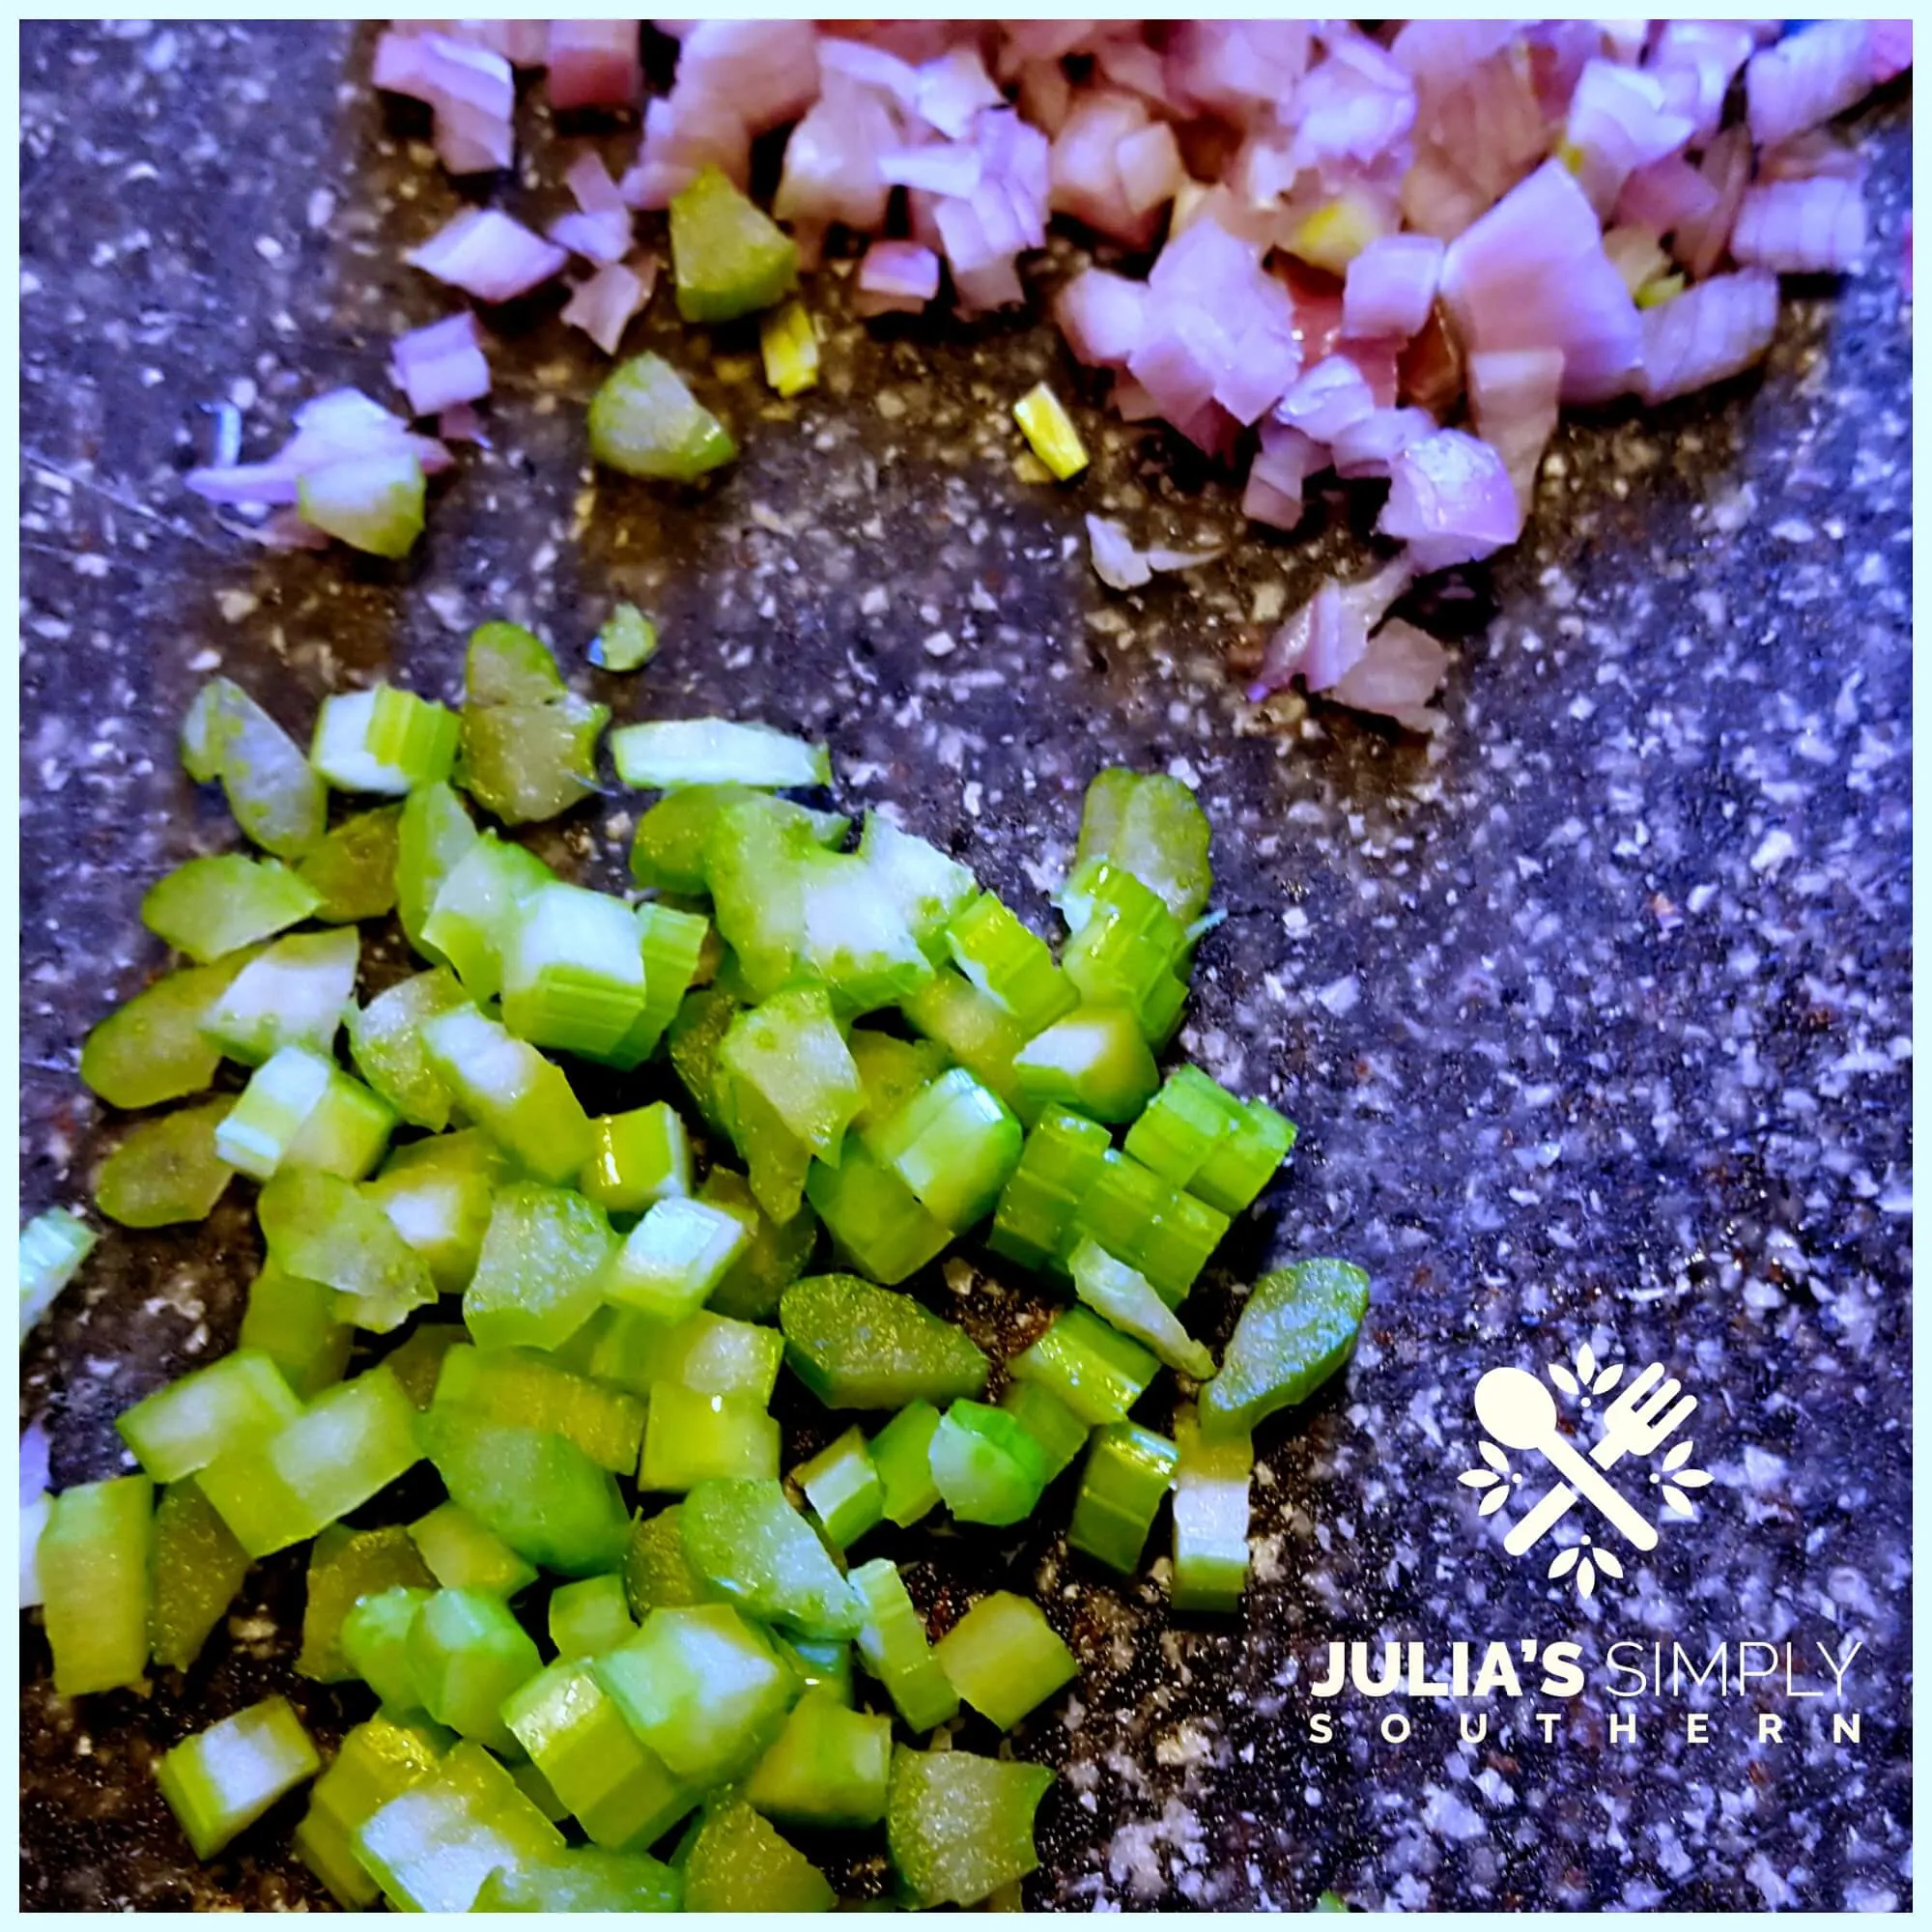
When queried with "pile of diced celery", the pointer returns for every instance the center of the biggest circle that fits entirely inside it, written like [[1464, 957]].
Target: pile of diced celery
[[634, 1653]]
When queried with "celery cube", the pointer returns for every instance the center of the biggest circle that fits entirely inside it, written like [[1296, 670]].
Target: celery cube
[[291, 993], [96, 1562], [690, 1437], [1004, 1657], [672, 1258], [467, 1654], [638, 1158], [511, 1092], [537, 1275], [218, 1781], [181, 1428], [573, 970]]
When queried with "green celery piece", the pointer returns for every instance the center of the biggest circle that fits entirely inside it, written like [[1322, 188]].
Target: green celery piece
[[657, 1573], [853, 937], [730, 258], [928, 889], [275, 796], [373, 504], [960, 1826], [210, 906], [378, 1760], [322, 1228], [628, 640], [588, 1617], [521, 1101], [1123, 1296], [201, 731], [468, 1652], [184, 1426], [432, 1846], [707, 1353], [349, 1442], [1211, 1516], [986, 1464], [876, 1222], [345, 1566], [818, 1667], [1330, 1901], [645, 422], [218, 1781], [673, 1258], [301, 1110], [542, 1495], [437, 1195], [1060, 1433], [745, 1539], [829, 1768], [739, 1863], [1295, 1330], [573, 970], [516, 1385], [901, 1453], [702, 1688], [353, 867], [96, 1559], [536, 1279], [1128, 1471], [524, 763], [198, 1572], [638, 1158], [891, 1071], [433, 835], [775, 1254], [855, 1345], [462, 1555], [776, 1160], [694, 1037], [1126, 948], [375, 1641], [691, 1437], [291, 993], [790, 1052], [294, 1324], [668, 753], [1153, 826], [166, 1171], [509, 664], [1197, 1135], [893, 1647], [153, 1049], [1005, 1658], [977, 1033], [53, 1245], [475, 906], [1099, 1373], [1164, 1232], [754, 860], [674, 945], [667, 850], [383, 740], [1009, 963], [954, 1145], [584, 1879], [416, 1362], [843, 1489], [1093, 1061]]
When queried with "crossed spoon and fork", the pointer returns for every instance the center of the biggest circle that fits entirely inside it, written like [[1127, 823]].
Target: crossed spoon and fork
[[1520, 1413]]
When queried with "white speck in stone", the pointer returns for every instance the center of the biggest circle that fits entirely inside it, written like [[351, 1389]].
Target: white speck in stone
[[1777, 848], [321, 206], [234, 605], [242, 393], [970, 795], [206, 659], [939, 644], [268, 249], [90, 564], [1339, 996]]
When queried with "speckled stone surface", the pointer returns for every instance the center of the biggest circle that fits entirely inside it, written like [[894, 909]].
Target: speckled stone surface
[[1595, 1011]]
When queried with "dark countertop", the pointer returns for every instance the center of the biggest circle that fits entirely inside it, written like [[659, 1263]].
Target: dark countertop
[[1595, 1012]]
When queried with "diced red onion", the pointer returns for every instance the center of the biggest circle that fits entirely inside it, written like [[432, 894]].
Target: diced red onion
[[1329, 635], [1126, 61], [1513, 396], [897, 276], [952, 91], [1695, 62], [1666, 195], [945, 168], [1236, 68], [1618, 122], [1891, 50], [1800, 227], [1352, 107], [594, 63], [589, 181], [1367, 448], [441, 365], [1726, 167], [1149, 167], [1391, 286], [1714, 330], [1282, 464], [832, 156], [460, 424], [486, 254], [1395, 677], [1084, 180], [603, 305], [470, 89], [338, 426], [1807, 78], [1115, 561], [604, 236], [685, 132], [1101, 316], [1327, 399], [1451, 499], [870, 66], [766, 72]]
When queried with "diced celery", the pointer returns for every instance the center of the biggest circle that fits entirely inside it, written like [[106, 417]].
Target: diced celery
[[476, 907], [529, 742], [375, 1641], [746, 1542], [672, 1258], [53, 1245], [573, 970], [790, 1052], [1126, 949], [876, 1221], [985, 1465], [853, 936], [667, 851], [676, 751], [385, 1042], [373, 502], [789, 348], [432, 836], [198, 1572], [290, 994], [168, 1170], [353, 867], [1197, 1135], [829, 1767], [378, 1760], [673, 946], [584, 1879], [509, 664], [294, 1324], [437, 1195], [1137, 1217], [776, 1160], [345, 1566], [153, 1049], [1123, 1296], [299, 1110], [96, 1561], [1060, 1433], [928, 889], [521, 1101], [730, 258], [514, 1385], [738, 1863], [416, 1362], [468, 1652], [691, 1437], [1009, 963], [775, 1253], [954, 1145], [702, 1688], [1093, 1061], [1005, 1658], [694, 1037], [976, 1030], [218, 1781], [462, 1555], [855, 1345], [1210, 1517], [322, 1228], [638, 1158], [710, 1354], [201, 731], [537, 1278], [960, 1826], [1128, 1471], [891, 1071], [185, 1425], [1150, 825], [893, 1646], [1099, 1373], [274, 794], [901, 1457], [587, 1618], [843, 1489], [351, 1441], [542, 1495], [628, 640], [645, 422], [210, 906], [617, 1789], [1295, 1330], [1050, 433], [818, 1666], [386, 740], [657, 1573]]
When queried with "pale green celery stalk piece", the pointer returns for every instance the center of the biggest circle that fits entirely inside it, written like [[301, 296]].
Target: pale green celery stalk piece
[[628, 640], [301, 1110], [775, 1253], [927, 887], [673, 944], [1095, 1061], [789, 1050], [893, 1647], [538, 1278], [276, 797], [53, 1245], [210, 906], [525, 762], [691, 1437], [672, 1258], [978, 1033], [199, 1569], [508, 664], [296, 1324], [353, 867], [168, 1170], [529, 1389], [776, 1160], [290, 994], [511, 1092], [645, 422], [96, 1561], [385, 1043], [573, 970], [462, 1554], [1210, 1517], [1295, 1330], [712, 1354], [432, 836], [960, 1827], [153, 1049], [667, 753], [184, 1426], [729, 257], [1123, 1296], [1005, 1658], [1010, 963], [372, 503], [475, 906], [891, 1071], [954, 1145], [218, 1781], [1149, 824], [385, 740], [587, 1618], [639, 1158], [201, 731], [322, 1228], [437, 1195]]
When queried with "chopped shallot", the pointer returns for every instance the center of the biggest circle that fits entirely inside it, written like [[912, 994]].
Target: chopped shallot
[[441, 365], [1800, 227], [488, 255], [603, 305]]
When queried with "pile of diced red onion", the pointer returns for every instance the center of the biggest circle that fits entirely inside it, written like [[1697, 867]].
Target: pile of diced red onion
[[1389, 255]]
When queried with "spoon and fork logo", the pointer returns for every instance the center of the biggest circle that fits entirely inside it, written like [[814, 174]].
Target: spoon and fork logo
[[1518, 1412]]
